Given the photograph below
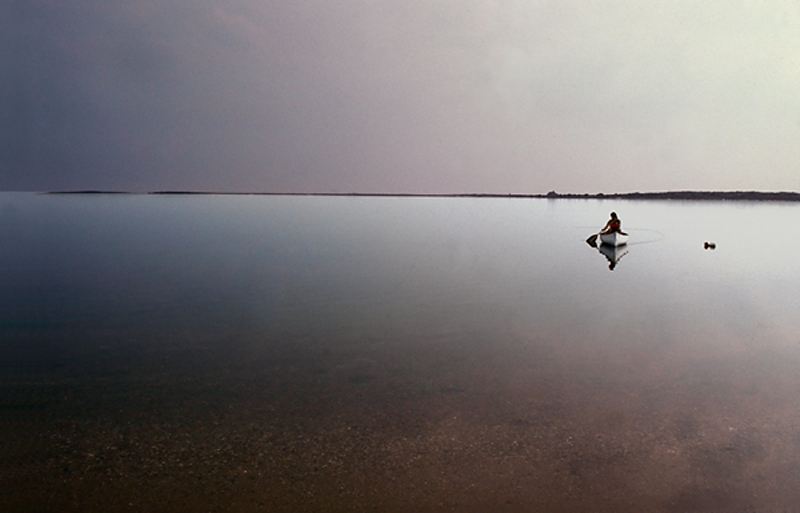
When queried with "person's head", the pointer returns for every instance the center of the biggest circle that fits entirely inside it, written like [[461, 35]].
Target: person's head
[[613, 215]]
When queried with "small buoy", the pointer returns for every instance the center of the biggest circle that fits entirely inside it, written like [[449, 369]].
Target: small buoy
[[709, 245]]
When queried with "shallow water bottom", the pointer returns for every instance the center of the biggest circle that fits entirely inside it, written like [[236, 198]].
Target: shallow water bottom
[[530, 423]]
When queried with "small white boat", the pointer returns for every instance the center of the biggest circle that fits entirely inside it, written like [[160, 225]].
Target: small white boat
[[614, 238]]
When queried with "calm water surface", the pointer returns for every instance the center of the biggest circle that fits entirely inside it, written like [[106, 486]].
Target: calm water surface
[[253, 353]]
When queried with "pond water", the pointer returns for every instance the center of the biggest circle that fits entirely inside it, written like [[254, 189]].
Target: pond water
[[290, 353]]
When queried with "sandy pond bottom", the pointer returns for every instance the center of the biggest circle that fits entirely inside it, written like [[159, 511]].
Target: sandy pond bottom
[[417, 427]]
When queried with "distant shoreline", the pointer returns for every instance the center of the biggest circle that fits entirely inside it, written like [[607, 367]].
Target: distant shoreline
[[666, 195]]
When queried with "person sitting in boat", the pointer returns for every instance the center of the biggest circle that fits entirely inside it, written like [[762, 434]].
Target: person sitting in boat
[[613, 225]]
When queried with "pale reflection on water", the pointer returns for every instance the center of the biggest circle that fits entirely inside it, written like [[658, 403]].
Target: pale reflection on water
[[340, 353]]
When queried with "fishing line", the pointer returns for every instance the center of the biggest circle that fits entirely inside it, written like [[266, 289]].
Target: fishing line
[[656, 232]]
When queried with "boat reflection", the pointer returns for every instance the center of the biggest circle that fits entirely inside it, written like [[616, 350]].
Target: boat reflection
[[612, 253]]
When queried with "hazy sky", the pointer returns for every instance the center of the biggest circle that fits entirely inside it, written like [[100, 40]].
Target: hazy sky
[[427, 96]]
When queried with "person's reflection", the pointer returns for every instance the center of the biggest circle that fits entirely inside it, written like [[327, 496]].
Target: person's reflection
[[612, 253]]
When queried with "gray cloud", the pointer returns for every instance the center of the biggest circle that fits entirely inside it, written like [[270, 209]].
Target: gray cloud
[[369, 95]]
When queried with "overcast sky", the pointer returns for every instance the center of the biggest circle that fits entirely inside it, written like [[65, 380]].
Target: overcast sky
[[421, 96]]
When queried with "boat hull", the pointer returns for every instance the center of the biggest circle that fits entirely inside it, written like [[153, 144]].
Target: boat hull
[[613, 239]]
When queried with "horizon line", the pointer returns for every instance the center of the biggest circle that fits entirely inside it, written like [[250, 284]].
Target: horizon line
[[686, 194]]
